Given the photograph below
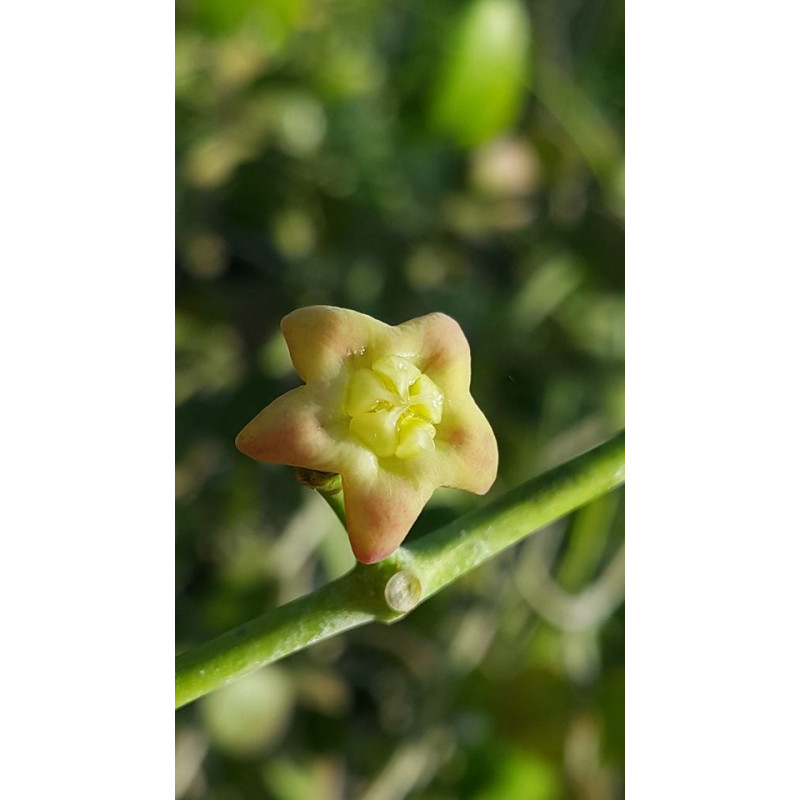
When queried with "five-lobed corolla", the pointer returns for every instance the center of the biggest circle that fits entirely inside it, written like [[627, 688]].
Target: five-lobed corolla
[[386, 407]]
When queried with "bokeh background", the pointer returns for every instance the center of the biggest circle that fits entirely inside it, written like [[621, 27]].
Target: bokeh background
[[401, 158]]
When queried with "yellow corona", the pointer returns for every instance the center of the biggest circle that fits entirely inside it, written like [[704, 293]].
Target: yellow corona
[[394, 408]]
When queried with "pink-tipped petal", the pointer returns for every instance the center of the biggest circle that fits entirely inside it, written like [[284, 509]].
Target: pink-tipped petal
[[467, 455], [468, 449], [444, 348], [290, 431], [320, 338], [380, 512]]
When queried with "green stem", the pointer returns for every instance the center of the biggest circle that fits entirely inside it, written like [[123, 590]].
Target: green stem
[[389, 589]]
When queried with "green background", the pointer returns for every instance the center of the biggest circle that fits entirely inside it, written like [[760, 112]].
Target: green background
[[397, 159]]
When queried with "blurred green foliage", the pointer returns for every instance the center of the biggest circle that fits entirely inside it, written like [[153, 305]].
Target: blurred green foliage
[[402, 158]]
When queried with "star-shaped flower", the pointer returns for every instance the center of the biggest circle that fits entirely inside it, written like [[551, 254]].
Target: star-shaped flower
[[388, 408]]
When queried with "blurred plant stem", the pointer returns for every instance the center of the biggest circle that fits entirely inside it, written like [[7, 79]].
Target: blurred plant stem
[[387, 590]]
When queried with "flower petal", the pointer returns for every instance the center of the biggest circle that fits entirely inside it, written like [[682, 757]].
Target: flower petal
[[380, 512], [466, 448], [290, 431], [445, 349], [321, 337]]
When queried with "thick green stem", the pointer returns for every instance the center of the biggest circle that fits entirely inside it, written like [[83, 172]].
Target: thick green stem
[[329, 610], [389, 589], [449, 552]]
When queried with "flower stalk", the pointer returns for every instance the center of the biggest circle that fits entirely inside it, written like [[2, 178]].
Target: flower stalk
[[328, 485], [387, 590]]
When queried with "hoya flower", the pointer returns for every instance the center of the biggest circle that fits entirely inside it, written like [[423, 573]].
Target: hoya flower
[[386, 407]]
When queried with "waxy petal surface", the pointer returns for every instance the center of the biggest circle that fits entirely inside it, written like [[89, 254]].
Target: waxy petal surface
[[290, 430], [380, 512], [356, 415], [321, 337]]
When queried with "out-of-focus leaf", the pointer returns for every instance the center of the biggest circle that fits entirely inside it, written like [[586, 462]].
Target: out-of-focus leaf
[[273, 19], [207, 358], [523, 775], [544, 291], [485, 73], [587, 542], [249, 715]]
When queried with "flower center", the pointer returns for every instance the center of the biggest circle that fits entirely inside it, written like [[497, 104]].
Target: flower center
[[394, 408]]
